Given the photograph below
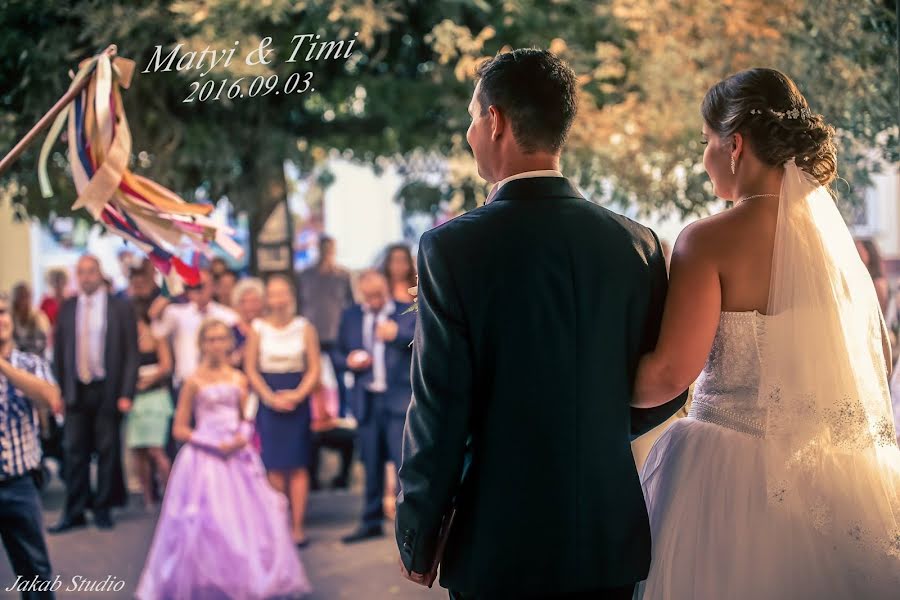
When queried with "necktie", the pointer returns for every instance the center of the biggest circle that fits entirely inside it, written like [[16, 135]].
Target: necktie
[[369, 336], [83, 334]]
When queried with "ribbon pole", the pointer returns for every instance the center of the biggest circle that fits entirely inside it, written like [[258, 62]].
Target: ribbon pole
[[48, 118]]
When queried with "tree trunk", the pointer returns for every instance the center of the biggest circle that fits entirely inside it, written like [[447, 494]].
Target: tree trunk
[[268, 192]]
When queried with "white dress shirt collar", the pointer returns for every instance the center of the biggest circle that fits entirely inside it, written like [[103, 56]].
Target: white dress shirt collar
[[98, 294], [528, 175], [387, 309], [522, 175]]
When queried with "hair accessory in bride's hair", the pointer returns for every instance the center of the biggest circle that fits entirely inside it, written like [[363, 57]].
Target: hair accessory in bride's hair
[[794, 113]]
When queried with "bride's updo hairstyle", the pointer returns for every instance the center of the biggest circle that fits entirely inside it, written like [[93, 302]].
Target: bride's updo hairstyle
[[766, 107]]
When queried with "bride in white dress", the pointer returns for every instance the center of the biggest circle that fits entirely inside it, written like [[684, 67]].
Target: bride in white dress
[[784, 480]]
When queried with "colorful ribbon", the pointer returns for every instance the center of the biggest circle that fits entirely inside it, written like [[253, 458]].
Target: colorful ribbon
[[146, 214]]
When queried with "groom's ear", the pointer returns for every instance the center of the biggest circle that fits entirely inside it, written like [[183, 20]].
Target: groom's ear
[[497, 120]]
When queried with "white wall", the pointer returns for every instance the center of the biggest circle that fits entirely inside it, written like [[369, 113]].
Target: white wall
[[360, 212], [887, 213], [15, 249]]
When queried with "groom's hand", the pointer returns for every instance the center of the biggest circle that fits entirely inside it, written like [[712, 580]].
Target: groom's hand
[[419, 578]]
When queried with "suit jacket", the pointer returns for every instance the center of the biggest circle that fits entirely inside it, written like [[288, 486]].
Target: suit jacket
[[533, 313], [121, 360], [397, 358]]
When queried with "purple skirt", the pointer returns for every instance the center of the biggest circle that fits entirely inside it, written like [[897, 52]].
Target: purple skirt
[[223, 533]]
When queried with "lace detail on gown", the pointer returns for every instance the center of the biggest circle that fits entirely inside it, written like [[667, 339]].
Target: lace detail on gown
[[727, 394], [727, 391]]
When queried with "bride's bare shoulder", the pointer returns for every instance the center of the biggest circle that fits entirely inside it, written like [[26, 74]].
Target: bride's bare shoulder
[[703, 235], [713, 235]]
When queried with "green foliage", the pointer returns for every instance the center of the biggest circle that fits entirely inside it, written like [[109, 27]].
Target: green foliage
[[643, 64]]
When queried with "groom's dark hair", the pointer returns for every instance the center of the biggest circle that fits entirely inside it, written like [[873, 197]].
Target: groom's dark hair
[[536, 91]]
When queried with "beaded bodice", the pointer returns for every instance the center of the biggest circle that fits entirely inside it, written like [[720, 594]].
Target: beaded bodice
[[727, 391], [217, 409]]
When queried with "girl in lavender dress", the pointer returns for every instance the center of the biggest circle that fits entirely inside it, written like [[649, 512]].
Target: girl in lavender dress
[[221, 532]]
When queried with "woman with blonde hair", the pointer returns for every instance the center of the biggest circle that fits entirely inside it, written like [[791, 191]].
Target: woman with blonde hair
[[282, 363]]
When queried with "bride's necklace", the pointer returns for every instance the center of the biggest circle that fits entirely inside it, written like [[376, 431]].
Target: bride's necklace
[[741, 200]]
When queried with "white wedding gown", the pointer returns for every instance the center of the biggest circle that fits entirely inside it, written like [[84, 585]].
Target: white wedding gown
[[715, 532], [783, 483]]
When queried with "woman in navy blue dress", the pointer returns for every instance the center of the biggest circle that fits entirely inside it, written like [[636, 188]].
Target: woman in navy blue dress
[[282, 363]]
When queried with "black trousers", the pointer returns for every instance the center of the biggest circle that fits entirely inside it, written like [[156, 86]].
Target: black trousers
[[380, 438], [338, 439], [21, 526], [619, 593], [89, 428]]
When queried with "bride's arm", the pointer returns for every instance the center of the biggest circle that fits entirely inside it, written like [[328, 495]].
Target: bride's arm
[[690, 320]]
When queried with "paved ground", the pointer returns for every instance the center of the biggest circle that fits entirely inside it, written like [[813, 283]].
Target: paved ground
[[365, 571]]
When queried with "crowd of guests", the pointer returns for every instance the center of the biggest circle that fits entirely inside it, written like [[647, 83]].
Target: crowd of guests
[[199, 389], [199, 386]]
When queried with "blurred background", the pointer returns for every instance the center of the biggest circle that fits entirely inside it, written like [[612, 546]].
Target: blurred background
[[376, 155]]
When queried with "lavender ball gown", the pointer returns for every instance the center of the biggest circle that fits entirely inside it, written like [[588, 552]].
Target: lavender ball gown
[[223, 531]]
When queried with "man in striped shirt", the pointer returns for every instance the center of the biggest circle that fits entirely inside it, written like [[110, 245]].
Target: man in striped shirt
[[24, 379]]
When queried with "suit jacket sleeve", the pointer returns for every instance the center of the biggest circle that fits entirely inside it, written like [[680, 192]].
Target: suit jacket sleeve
[[645, 419], [406, 329], [130, 353], [348, 292], [60, 339], [341, 351], [437, 422]]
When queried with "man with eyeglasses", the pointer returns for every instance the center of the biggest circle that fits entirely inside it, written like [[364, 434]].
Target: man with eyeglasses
[[25, 381]]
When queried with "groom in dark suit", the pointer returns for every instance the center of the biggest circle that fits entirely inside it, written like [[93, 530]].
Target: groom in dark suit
[[533, 313]]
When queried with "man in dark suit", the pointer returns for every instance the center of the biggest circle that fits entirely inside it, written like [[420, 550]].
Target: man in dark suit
[[534, 311], [373, 344], [96, 364]]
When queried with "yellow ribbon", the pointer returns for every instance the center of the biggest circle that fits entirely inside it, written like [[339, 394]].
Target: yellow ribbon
[[55, 130]]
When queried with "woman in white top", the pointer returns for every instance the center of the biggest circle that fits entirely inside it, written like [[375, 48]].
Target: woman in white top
[[282, 363]]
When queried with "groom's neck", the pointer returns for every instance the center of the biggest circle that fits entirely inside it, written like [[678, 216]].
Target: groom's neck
[[522, 163]]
